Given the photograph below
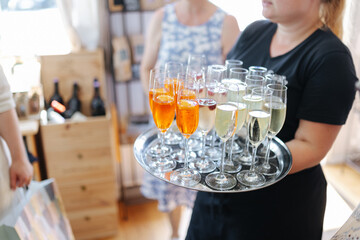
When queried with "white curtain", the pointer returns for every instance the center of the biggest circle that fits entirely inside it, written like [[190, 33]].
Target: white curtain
[[81, 18], [347, 144]]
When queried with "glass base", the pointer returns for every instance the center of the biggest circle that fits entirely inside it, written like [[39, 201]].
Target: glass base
[[203, 165], [269, 170], [251, 178], [157, 151], [185, 177], [163, 165], [173, 138], [194, 144], [232, 167], [220, 181], [235, 149], [213, 153], [244, 159], [179, 155]]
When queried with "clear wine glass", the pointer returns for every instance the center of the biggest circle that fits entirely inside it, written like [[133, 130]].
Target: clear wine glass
[[236, 92], [187, 120], [172, 72], [157, 149], [225, 125], [232, 63], [258, 70], [215, 74], [207, 106], [196, 65], [163, 110], [237, 75], [278, 113], [258, 126], [252, 102]]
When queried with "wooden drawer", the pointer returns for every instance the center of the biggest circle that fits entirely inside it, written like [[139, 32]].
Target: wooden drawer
[[81, 196], [78, 150], [94, 223]]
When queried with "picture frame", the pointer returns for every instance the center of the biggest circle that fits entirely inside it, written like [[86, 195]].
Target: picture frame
[[116, 5]]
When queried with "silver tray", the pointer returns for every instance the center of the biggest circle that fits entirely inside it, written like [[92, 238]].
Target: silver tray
[[283, 160]]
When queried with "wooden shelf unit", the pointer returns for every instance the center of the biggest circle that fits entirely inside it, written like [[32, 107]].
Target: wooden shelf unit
[[81, 155]]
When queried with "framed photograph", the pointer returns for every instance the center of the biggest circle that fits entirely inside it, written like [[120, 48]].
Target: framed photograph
[[116, 5]]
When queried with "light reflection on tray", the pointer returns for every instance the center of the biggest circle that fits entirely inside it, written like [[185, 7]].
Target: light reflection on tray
[[283, 160]]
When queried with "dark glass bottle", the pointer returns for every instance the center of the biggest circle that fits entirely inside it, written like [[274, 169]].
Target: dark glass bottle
[[97, 104], [74, 104], [56, 95]]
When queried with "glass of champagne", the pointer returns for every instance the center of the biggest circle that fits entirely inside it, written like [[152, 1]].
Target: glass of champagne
[[225, 125], [252, 102], [278, 113], [172, 72], [163, 110], [236, 92], [187, 120], [158, 149], [258, 126], [215, 74], [196, 65], [207, 106], [258, 70], [237, 76], [232, 63]]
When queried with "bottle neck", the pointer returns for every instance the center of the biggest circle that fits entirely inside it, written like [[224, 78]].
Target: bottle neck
[[75, 91], [56, 88]]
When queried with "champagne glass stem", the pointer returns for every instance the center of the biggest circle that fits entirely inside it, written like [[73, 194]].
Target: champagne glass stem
[[231, 148], [162, 144], [252, 168], [186, 163], [222, 158], [246, 151], [213, 139], [203, 146], [267, 155]]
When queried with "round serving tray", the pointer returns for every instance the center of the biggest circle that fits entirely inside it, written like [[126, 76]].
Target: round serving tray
[[283, 160]]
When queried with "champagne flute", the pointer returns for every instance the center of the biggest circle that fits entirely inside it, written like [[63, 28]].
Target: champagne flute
[[187, 120], [252, 102], [225, 125], [196, 65], [237, 76], [172, 71], [215, 74], [158, 149], [179, 154], [236, 92], [232, 63], [207, 106], [163, 109], [258, 70], [258, 126], [278, 113]]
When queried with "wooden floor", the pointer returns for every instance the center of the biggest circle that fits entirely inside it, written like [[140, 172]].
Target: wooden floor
[[145, 222]]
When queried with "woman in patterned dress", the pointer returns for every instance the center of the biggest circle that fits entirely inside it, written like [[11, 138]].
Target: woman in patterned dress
[[176, 31]]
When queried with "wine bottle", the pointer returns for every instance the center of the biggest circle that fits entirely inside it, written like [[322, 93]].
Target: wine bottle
[[56, 95], [74, 104], [97, 104]]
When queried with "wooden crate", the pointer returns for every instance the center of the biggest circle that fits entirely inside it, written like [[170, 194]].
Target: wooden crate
[[81, 156], [81, 67]]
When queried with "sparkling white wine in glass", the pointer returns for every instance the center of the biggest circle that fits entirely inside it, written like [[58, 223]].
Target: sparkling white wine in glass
[[207, 107], [226, 120], [258, 126]]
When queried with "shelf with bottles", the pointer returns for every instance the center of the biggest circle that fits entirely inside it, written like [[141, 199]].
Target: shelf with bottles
[[76, 82]]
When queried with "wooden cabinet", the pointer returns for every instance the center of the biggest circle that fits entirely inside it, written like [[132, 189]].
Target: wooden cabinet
[[81, 156]]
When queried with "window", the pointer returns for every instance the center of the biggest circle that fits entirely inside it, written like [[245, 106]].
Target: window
[[32, 27]]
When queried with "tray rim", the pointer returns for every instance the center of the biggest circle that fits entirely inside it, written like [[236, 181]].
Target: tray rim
[[152, 131]]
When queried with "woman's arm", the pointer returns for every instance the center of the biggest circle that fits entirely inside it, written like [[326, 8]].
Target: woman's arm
[[151, 48], [311, 143], [20, 170], [229, 35]]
